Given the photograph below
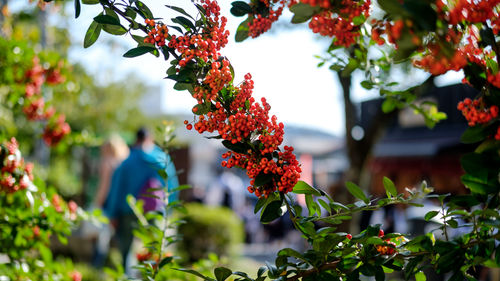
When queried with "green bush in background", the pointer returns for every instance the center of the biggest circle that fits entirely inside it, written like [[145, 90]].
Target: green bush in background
[[209, 230]]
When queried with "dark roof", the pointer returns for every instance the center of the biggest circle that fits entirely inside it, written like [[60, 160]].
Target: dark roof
[[399, 141]]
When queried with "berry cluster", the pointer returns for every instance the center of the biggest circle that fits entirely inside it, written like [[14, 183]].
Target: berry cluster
[[476, 112], [157, 33], [437, 63], [261, 24], [339, 23], [244, 124], [35, 108], [388, 248], [468, 10], [56, 130], [15, 174]]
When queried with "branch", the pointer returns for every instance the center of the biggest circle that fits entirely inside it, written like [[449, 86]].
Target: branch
[[323, 267]]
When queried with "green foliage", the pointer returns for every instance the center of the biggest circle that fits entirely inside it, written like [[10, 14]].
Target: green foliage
[[222, 232]]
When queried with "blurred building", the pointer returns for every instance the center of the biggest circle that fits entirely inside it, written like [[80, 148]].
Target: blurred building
[[410, 152]]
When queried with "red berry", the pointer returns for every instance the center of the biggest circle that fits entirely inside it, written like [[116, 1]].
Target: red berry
[[380, 233]]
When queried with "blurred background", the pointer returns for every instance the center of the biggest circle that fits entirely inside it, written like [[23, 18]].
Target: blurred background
[[109, 97]]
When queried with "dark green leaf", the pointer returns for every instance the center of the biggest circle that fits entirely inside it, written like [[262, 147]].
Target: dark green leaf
[[141, 50], [194, 272], [356, 191], [106, 19], [263, 178], [474, 134], [165, 261], [388, 105], [90, 2], [303, 12], [180, 10], [242, 31], [144, 10], [92, 34], [77, 8], [238, 147], [186, 23], [477, 185], [367, 84], [222, 273], [240, 8], [271, 212], [390, 188]]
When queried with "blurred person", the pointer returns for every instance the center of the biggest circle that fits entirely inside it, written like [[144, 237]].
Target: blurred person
[[137, 173], [112, 153]]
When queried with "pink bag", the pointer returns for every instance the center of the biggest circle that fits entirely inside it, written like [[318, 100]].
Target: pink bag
[[153, 195]]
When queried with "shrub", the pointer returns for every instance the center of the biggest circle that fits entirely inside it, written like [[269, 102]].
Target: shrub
[[209, 230]]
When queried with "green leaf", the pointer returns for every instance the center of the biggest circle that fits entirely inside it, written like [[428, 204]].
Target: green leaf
[[141, 50], [165, 261], [303, 12], [474, 134], [304, 188], [367, 84], [92, 34], [263, 178], [90, 2], [236, 147], [107, 19], [430, 215], [186, 23], [144, 10], [388, 105], [194, 272], [77, 8], [112, 28], [242, 31], [390, 188], [240, 8], [477, 185], [202, 108], [222, 273], [420, 276], [356, 191], [180, 10], [271, 212]]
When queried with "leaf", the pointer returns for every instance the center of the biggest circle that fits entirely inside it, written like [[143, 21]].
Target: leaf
[[390, 188], [240, 8], [477, 185], [107, 19], [186, 23], [263, 178], [77, 8], [236, 147], [141, 50], [303, 12], [304, 188], [144, 10], [367, 84], [271, 212], [194, 272], [165, 261], [242, 31], [356, 191], [180, 10], [90, 2], [222, 273], [92, 34], [430, 215], [388, 105], [474, 134]]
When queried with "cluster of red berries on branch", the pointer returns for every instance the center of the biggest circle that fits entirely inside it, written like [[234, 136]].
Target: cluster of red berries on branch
[[476, 112], [338, 23], [467, 10], [15, 174], [35, 107], [230, 110], [260, 24], [388, 248]]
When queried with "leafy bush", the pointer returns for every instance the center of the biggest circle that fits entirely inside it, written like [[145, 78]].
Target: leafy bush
[[209, 230]]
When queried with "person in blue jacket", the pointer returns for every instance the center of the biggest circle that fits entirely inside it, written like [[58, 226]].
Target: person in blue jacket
[[133, 177]]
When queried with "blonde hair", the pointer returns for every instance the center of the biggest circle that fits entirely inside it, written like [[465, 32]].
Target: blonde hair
[[115, 147]]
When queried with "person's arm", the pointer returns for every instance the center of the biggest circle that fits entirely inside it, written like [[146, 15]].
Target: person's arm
[[172, 179], [105, 173], [112, 200]]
